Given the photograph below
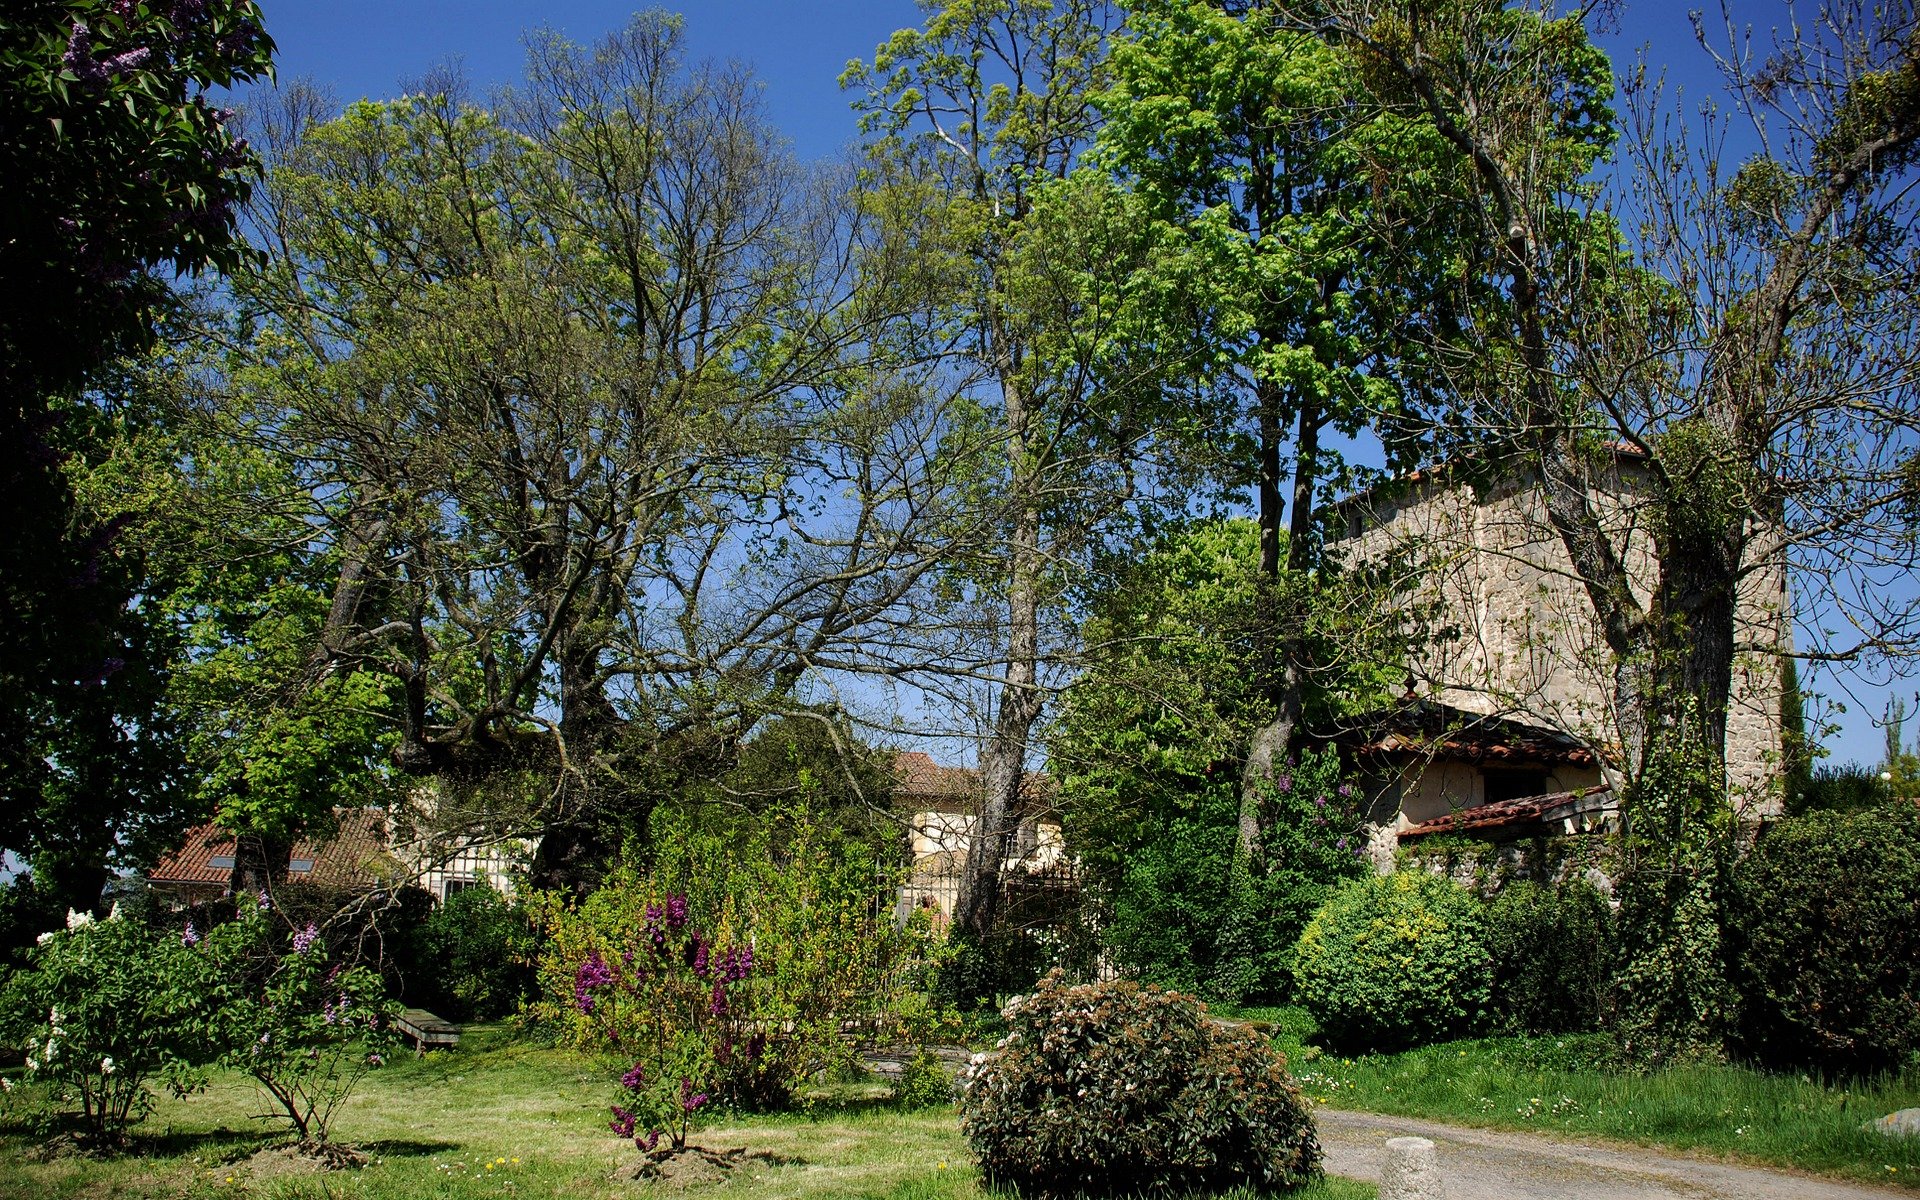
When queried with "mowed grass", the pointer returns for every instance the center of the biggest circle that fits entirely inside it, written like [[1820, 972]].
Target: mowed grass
[[1564, 1087], [497, 1119]]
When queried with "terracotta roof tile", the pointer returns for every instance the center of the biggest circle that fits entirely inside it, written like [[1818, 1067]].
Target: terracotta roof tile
[[1502, 814], [1427, 727], [355, 856]]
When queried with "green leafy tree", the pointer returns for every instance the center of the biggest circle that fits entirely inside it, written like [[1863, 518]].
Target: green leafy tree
[[1268, 173], [115, 174], [1751, 350], [1147, 746], [582, 390], [979, 116]]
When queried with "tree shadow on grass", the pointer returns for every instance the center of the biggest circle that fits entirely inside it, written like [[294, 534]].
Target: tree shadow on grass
[[222, 1143], [403, 1148]]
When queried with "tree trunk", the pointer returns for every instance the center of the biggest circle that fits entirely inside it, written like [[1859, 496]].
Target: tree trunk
[[259, 863], [1003, 764], [1279, 651]]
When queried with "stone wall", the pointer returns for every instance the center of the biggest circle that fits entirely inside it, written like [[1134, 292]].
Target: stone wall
[[1515, 635]]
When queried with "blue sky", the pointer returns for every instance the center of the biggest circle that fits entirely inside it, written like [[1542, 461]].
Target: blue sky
[[370, 48]]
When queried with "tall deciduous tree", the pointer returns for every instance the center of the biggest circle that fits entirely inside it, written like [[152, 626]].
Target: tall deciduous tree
[[1252, 147], [1749, 346], [983, 115], [588, 400], [115, 174]]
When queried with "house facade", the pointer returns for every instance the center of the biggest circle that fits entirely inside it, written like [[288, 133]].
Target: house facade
[[943, 807], [1517, 681]]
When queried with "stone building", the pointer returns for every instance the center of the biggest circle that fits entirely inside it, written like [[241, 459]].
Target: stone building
[[1516, 658]]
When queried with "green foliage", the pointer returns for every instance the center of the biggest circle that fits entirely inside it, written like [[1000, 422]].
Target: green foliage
[[924, 1081], [1826, 941], [735, 963], [1673, 999], [118, 173], [1187, 912], [1396, 960], [1551, 945], [1844, 787], [104, 1010], [1122, 1088], [472, 957], [1147, 746]]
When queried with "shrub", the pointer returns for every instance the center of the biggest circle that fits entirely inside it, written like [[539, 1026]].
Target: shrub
[[103, 1010], [1827, 943], [1394, 961], [1187, 913], [473, 957], [1550, 947], [305, 1031], [722, 973], [1122, 1087]]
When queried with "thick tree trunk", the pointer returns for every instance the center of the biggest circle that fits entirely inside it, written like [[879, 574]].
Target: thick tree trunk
[[259, 863], [591, 818]]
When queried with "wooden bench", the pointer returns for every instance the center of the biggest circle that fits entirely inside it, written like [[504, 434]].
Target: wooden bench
[[426, 1029]]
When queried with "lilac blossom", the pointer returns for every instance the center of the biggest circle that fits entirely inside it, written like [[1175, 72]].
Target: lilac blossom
[[592, 973], [676, 911], [304, 940], [690, 1099], [189, 936], [622, 1123], [635, 1076]]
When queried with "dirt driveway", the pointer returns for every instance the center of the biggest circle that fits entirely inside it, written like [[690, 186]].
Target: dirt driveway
[[1479, 1164]]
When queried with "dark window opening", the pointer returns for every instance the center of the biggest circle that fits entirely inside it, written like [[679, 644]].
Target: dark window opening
[[1514, 785], [453, 887]]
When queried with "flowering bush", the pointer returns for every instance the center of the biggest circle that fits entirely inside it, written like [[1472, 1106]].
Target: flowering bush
[[1118, 1087], [1394, 961], [107, 1008], [307, 1032], [725, 976]]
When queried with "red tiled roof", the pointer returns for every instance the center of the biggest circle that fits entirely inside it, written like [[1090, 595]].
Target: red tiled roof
[[353, 857], [1502, 814], [918, 778], [1427, 727]]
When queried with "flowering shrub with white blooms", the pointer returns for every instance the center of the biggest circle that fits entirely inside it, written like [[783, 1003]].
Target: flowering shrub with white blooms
[[105, 1010], [1120, 1087]]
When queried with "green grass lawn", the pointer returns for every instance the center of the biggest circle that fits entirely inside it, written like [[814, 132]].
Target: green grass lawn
[[1562, 1086], [497, 1119]]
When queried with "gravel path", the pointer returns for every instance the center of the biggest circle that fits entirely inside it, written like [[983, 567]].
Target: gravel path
[[1480, 1164]]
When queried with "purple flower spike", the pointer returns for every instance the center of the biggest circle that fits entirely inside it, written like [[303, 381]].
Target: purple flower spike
[[635, 1076], [622, 1123], [690, 1099], [1283, 784], [1346, 791], [304, 940], [676, 911], [189, 936]]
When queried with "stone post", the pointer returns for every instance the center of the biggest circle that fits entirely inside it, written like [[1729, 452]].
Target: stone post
[[1412, 1171]]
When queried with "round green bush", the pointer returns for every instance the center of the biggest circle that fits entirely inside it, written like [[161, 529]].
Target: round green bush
[[1124, 1088], [473, 957], [1395, 961], [1551, 946], [1825, 917]]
